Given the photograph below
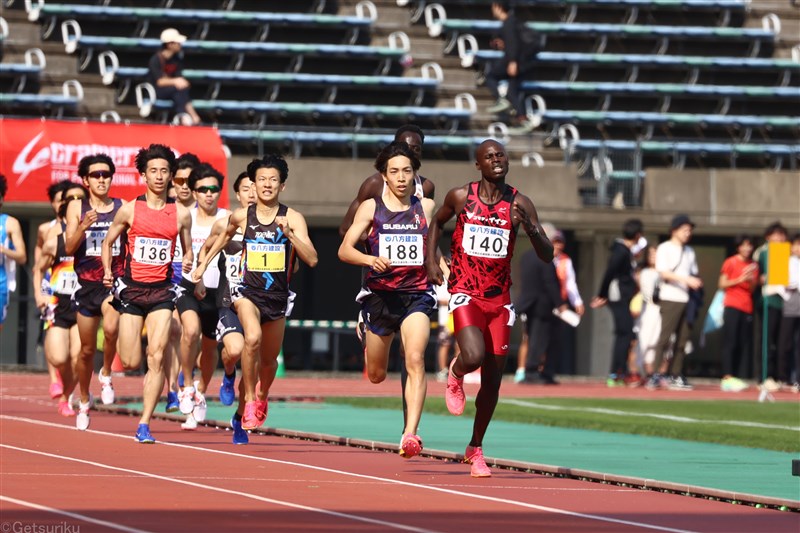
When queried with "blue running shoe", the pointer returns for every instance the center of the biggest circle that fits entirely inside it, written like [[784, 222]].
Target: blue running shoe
[[180, 377], [239, 434], [172, 402], [226, 391], [143, 435]]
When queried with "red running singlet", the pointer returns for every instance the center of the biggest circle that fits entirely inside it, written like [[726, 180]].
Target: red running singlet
[[151, 243]]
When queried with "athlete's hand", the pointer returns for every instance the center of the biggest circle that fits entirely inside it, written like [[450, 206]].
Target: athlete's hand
[[89, 218], [520, 216], [380, 264], [108, 279], [41, 301], [188, 262], [283, 223], [434, 271], [598, 302], [199, 289], [197, 276]]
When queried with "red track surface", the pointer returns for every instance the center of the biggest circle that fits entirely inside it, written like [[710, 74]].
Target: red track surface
[[199, 481]]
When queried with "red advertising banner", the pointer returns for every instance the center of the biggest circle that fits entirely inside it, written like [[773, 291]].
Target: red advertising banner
[[36, 153]]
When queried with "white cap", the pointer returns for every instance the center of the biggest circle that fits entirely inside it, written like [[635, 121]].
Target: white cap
[[171, 35]]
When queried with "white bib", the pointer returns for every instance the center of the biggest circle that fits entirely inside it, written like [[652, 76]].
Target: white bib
[[94, 242], [401, 250], [485, 241], [152, 251]]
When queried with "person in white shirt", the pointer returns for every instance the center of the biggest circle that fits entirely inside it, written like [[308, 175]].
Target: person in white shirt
[[676, 264]]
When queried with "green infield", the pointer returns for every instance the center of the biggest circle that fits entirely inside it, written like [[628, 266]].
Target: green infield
[[769, 426]]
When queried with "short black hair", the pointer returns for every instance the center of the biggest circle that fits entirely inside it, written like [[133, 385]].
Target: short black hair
[[89, 160], [410, 128], [741, 238], [632, 227], [238, 182], [187, 160], [202, 171], [275, 161], [395, 149], [796, 237], [54, 188], [775, 227], [3, 186], [155, 151]]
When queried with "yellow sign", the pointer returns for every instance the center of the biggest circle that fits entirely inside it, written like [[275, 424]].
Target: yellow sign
[[778, 263], [266, 257]]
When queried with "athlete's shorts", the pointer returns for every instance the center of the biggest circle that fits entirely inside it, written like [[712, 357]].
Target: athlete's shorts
[[60, 313], [206, 308], [384, 311], [3, 303], [89, 297], [228, 323], [493, 316], [140, 300], [271, 306]]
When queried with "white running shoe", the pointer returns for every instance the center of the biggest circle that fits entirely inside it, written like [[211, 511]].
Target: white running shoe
[[200, 406], [186, 399], [190, 424], [82, 420], [107, 391]]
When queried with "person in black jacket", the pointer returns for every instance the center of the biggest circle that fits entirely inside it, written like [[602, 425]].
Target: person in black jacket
[[617, 290], [165, 74], [540, 293], [520, 46]]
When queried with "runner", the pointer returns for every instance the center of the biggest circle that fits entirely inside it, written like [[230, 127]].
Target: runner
[[54, 282], [196, 303], [229, 328], [12, 253], [273, 234], [396, 295], [87, 223], [153, 222], [488, 215]]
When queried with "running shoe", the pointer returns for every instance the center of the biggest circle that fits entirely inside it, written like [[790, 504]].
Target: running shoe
[[186, 400], [227, 394], [65, 409], [454, 393], [519, 375], [474, 457], [107, 391], [261, 413], [57, 387], [200, 406], [172, 402], [679, 383], [410, 446], [656, 381], [250, 416], [239, 434], [82, 420], [143, 435], [190, 424]]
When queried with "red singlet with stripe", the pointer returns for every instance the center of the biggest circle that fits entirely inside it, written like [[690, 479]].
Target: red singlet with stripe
[[482, 246], [151, 243]]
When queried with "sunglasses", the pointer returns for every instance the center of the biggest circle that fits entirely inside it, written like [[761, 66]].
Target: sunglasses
[[75, 197], [211, 188], [180, 181], [97, 174]]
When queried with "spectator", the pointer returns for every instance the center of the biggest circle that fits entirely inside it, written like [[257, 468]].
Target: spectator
[[775, 232], [676, 264], [520, 46], [617, 289], [650, 321], [790, 324], [12, 252], [166, 75], [738, 278]]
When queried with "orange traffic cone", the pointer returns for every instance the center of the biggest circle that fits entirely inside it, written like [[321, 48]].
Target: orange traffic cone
[[116, 366]]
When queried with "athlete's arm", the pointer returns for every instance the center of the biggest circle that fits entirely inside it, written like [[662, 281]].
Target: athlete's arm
[[524, 214], [348, 252], [453, 203], [428, 188], [122, 221], [370, 188], [235, 221], [294, 226], [76, 228], [217, 229], [47, 255], [185, 235], [41, 233], [14, 231]]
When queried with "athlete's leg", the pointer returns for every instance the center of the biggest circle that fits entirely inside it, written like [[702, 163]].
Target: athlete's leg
[[110, 334], [130, 340], [158, 326], [472, 351], [190, 344], [377, 355], [232, 347], [271, 344], [57, 352], [250, 317], [208, 362], [87, 329], [74, 357], [486, 401], [414, 333], [172, 364]]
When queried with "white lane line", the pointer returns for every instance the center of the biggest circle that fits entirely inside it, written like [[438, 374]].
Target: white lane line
[[554, 510], [76, 516], [356, 518], [601, 410]]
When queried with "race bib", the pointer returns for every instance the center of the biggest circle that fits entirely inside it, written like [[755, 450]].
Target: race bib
[[485, 241], [266, 257], [233, 269], [401, 250], [152, 251], [67, 282], [94, 242], [177, 257]]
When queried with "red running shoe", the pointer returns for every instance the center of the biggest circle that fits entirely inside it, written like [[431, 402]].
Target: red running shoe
[[250, 417], [410, 446], [474, 457], [454, 393]]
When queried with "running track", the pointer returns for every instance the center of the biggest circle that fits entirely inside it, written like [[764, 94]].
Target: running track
[[101, 480]]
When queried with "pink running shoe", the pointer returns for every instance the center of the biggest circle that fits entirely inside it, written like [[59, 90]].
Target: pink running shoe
[[250, 416], [410, 446], [454, 393], [56, 387], [474, 457], [261, 413], [65, 409]]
